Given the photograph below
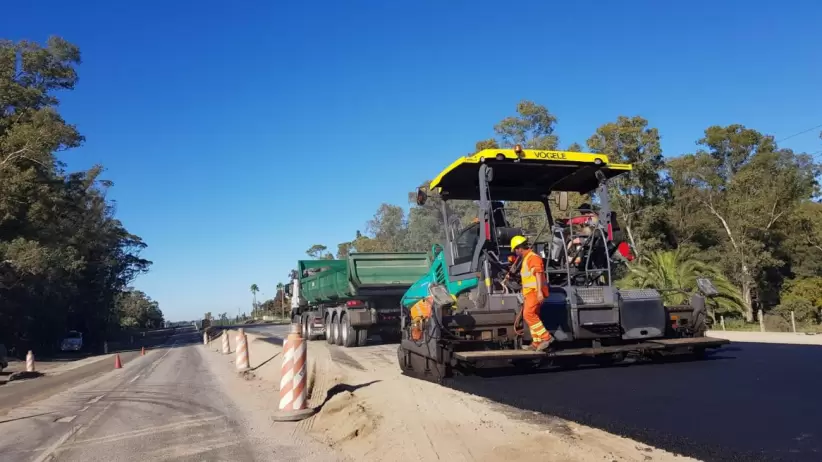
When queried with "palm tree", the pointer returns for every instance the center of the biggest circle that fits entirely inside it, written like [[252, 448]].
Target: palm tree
[[678, 269], [254, 290]]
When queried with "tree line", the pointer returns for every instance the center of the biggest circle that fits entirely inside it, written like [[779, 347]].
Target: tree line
[[739, 208], [66, 261]]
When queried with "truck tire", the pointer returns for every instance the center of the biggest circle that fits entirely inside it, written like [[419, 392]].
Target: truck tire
[[362, 337], [348, 335], [304, 326], [336, 329], [329, 330], [402, 359]]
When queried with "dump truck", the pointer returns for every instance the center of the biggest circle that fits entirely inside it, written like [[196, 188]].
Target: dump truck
[[348, 300], [466, 313]]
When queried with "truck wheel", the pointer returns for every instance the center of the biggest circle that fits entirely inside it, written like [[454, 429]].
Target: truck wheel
[[312, 332], [348, 336], [329, 330], [362, 337], [304, 326], [402, 359], [335, 330]]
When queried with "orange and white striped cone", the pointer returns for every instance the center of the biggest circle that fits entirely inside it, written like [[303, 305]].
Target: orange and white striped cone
[[29, 361], [293, 406], [241, 362], [226, 346]]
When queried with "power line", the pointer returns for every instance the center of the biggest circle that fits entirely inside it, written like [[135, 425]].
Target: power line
[[800, 133]]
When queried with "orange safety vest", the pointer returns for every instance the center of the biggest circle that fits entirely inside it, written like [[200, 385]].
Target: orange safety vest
[[529, 273]]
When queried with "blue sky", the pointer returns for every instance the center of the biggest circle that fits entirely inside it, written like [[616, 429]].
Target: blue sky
[[239, 135]]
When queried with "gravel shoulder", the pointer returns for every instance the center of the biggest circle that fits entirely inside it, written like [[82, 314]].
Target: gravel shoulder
[[369, 411]]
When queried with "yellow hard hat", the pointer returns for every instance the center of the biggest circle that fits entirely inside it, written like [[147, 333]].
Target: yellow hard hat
[[517, 241]]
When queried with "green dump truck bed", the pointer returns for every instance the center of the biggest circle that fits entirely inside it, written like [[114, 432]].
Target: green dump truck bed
[[361, 275]]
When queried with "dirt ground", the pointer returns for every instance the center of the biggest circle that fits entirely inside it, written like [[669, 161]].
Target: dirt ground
[[369, 411]]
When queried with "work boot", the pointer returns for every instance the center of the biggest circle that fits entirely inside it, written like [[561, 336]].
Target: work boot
[[545, 345]]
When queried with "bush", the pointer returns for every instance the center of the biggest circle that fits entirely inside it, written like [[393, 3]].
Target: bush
[[803, 310], [739, 324], [776, 323]]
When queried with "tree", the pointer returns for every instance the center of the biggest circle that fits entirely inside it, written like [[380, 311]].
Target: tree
[[803, 297], [629, 140], [319, 252], [344, 249], [748, 185], [388, 228], [804, 239], [316, 251], [254, 290], [65, 260], [426, 225], [136, 309], [532, 127], [803, 310], [678, 269]]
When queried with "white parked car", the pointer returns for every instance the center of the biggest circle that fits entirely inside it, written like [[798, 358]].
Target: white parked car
[[72, 342]]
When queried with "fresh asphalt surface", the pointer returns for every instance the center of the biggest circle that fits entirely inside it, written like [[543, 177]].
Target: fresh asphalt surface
[[744, 402], [164, 406], [748, 401]]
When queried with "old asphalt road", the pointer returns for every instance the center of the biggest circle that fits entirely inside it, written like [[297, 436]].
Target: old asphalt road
[[273, 330], [746, 402], [168, 405], [15, 394]]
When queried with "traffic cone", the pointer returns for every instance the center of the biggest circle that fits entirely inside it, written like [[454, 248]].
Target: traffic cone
[[293, 406], [226, 346], [241, 361], [143, 351], [117, 363], [29, 361]]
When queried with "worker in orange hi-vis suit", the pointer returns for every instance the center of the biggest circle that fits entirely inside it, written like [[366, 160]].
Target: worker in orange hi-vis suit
[[534, 290]]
